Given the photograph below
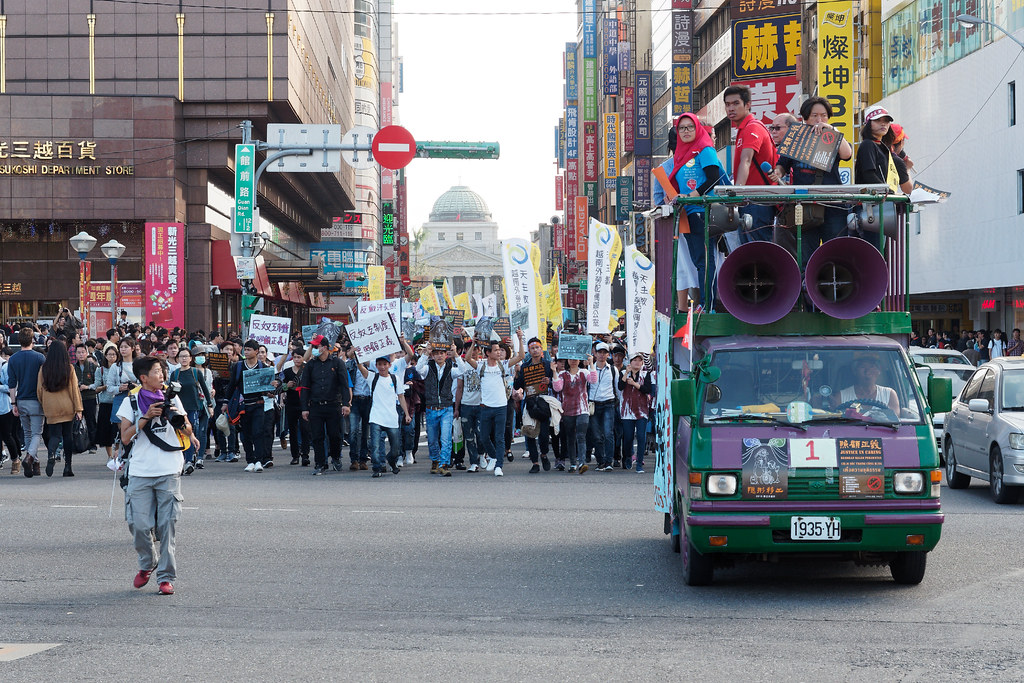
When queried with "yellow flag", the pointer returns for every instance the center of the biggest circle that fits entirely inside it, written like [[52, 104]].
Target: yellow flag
[[375, 282], [504, 294], [462, 301], [429, 300], [615, 251], [540, 303], [448, 295], [555, 300]]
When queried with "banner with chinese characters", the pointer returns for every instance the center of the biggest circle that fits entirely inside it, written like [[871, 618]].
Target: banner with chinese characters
[[770, 97], [642, 180], [611, 150], [589, 150], [682, 88], [571, 83], [165, 252], [682, 35], [765, 46], [639, 301], [270, 331], [572, 178], [664, 421], [429, 300], [572, 132], [580, 227], [611, 57], [623, 198], [642, 127], [392, 307], [628, 119], [590, 90], [375, 282], [520, 282], [589, 29], [835, 71], [605, 247]]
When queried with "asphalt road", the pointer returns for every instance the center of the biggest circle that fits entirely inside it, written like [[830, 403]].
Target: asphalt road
[[283, 576]]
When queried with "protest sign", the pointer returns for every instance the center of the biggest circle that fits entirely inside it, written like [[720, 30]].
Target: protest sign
[[390, 306], [803, 145], [219, 364], [307, 333], [519, 319], [441, 333], [270, 331], [484, 327], [372, 337], [455, 318], [504, 329], [576, 346], [534, 379], [257, 380]]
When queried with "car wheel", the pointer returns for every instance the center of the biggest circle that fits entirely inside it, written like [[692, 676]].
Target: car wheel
[[698, 570], [954, 479], [1001, 493], [908, 568]]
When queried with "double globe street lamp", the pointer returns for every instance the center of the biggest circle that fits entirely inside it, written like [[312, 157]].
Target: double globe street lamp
[[83, 243], [113, 251]]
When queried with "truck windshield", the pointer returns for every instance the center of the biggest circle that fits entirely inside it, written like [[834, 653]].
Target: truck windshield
[[819, 385]]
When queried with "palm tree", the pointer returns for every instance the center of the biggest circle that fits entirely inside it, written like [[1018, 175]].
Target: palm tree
[[418, 238]]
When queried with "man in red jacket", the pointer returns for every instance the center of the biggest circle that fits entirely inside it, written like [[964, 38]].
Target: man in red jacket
[[754, 147]]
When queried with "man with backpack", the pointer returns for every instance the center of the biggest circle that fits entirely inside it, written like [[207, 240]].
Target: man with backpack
[[249, 415], [326, 398], [494, 395], [532, 394], [385, 392]]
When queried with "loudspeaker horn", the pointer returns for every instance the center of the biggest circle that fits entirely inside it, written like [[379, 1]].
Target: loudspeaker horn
[[759, 282], [846, 278]]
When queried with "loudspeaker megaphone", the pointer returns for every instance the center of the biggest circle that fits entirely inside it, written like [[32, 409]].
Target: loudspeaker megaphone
[[846, 278], [867, 218], [759, 282]]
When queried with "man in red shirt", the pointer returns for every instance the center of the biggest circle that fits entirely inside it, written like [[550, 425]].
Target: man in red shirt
[[754, 146]]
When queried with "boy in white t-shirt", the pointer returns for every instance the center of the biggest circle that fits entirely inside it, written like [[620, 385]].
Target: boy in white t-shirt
[[385, 391]]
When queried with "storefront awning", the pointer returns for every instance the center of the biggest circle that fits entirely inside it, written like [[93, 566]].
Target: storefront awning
[[295, 271], [222, 267]]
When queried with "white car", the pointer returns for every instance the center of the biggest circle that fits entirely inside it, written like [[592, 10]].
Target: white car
[[938, 356], [983, 435]]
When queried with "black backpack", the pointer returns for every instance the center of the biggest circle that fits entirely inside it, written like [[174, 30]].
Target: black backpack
[[373, 384]]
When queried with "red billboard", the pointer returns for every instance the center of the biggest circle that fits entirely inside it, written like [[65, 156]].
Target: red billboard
[[164, 262]]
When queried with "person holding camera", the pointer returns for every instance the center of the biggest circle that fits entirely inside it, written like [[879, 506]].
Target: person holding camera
[[152, 423]]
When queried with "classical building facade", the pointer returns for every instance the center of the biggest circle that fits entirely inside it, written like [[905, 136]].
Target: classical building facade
[[460, 237]]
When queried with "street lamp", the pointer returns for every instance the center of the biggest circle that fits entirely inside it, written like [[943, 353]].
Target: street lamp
[[113, 250], [969, 20], [83, 243]]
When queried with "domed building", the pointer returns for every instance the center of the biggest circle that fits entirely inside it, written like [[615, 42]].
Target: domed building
[[459, 242]]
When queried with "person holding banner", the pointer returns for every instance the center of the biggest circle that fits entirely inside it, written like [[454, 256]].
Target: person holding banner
[[493, 371], [439, 373], [530, 390], [572, 385], [326, 398], [251, 426]]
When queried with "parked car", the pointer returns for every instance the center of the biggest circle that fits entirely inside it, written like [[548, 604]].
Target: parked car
[[938, 356], [958, 375], [983, 434]]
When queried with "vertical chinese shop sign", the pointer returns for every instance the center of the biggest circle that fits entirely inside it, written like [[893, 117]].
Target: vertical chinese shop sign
[[165, 254]]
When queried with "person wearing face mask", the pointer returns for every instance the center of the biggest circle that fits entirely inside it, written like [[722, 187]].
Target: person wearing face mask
[[326, 398]]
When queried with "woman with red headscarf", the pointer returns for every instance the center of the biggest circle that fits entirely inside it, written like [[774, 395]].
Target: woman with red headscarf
[[695, 170]]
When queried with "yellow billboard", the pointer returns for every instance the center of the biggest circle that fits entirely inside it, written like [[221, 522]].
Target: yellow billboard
[[835, 71]]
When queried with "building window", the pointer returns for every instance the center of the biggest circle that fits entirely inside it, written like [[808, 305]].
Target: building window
[[478, 236], [440, 237], [459, 236], [459, 284], [1011, 91], [1020, 191]]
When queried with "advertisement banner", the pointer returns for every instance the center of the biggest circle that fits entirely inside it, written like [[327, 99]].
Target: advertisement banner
[[572, 132], [570, 226], [589, 29], [375, 282], [623, 198], [602, 260], [642, 127], [559, 191], [571, 83], [165, 252], [561, 142], [520, 282], [590, 191], [392, 307], [611, 148], [682, 88], [682, 35], [624, 57], [770, 97], [642, 180], [589, 150], [611, 57], [429, 301], [835, 72], [572, 178], [628, 119], [765, 46], [639, 301], [373, 337], [590, 90], [271, 331], [663, 421], [580, 228]]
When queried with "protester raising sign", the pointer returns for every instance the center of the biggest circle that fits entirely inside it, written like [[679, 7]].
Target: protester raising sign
[[258, 380], [441, 333], [574, 346], [373, 336], [535, 380], [390, 306], [271, 332]]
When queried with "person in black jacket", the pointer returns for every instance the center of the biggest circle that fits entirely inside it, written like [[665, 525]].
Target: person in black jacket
[[298, 429], [533, 393], [326, 397], [251, 427]]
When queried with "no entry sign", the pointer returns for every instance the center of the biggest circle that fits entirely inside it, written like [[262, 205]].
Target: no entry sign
[[393, 147]]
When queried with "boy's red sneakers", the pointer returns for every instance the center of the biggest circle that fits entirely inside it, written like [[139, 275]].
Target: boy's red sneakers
[[166, 588], [142, 578]]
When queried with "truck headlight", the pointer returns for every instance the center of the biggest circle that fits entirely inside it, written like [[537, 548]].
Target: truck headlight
[[908, 482], [1017, 442], [721, 484]]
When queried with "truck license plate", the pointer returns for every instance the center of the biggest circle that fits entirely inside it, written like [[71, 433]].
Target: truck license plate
[[814, 528]]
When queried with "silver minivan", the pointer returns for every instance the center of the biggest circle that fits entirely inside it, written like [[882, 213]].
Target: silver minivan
[[983, 434]]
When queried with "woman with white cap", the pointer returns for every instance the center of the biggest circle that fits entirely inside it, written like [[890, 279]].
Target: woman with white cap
[[875, 164]]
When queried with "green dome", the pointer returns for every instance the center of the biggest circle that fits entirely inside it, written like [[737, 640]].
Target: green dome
[[460, 204]]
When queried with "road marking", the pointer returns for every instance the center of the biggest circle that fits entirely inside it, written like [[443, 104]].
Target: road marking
[[272, 509], [186, 508], [379, 512], [393, 147], [73, 506], [11, 651]]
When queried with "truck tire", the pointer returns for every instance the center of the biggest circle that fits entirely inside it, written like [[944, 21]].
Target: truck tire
[[698, 570], [908, 567], [954, 479]]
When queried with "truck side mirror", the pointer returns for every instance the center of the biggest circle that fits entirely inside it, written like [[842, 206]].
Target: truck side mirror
[[940, 394], [684, 397]]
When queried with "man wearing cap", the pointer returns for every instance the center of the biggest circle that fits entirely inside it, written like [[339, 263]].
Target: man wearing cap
[[754, 147], [602, 393], [326, 398], [385, 392], [439, 373], [876, 163], [251, 428]]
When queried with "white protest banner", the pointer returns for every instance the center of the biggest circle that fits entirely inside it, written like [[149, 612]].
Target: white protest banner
[[520, 282], [270, 331], [639, 301], [490, 305], [393, 307], [479, 301], [604, 248], [372, 337]]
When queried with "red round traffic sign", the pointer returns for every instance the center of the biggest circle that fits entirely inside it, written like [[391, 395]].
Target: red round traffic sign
[[393, 147], [406, 280]]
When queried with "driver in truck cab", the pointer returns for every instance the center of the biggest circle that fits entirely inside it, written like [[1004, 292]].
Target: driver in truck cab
[[866, 370]]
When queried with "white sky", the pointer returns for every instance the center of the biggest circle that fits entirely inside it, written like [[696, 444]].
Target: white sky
[[485, 78]]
